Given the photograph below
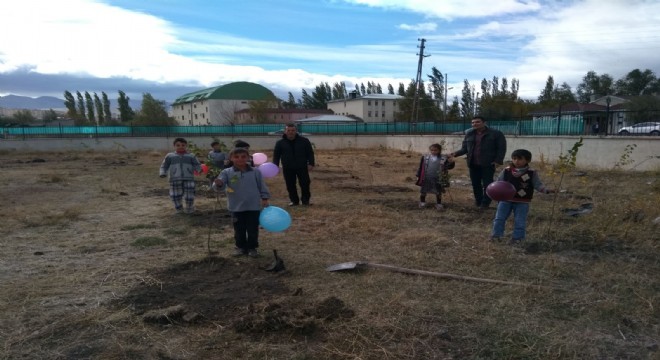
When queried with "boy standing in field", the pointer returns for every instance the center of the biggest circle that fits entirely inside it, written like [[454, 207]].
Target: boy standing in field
[[219, 161], [433, 175], [247, 193], [181, 166], [525, 180], [218, 158]]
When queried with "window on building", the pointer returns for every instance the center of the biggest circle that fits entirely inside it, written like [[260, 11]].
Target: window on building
[[369, 114], [195, 106], [383, 114], [376, 102], [195, 116], [204, 115], [369, 102], [181, 107]]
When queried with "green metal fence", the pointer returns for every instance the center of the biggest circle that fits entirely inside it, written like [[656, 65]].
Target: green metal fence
[[513, 127]]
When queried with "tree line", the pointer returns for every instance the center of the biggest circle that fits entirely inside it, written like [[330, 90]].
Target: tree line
[[89, 109], [495, 98]]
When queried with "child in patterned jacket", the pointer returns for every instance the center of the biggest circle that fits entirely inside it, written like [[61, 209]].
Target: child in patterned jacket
[[181, 167], [433, 175], [525, 180]]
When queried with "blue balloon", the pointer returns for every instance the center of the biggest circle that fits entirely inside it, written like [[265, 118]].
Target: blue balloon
[[275, 219]]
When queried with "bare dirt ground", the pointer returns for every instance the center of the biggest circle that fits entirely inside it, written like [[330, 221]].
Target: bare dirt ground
[[96, 265]]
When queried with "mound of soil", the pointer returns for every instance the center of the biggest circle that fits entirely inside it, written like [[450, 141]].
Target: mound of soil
[[233, 292]]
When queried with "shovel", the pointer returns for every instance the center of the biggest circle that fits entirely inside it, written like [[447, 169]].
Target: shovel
[[360, 264]]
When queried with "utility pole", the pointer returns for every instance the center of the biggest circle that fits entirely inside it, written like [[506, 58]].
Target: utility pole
[[418, 81], [444, 108]]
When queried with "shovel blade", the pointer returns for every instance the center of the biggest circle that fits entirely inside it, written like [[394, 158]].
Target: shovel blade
[[343, 266]]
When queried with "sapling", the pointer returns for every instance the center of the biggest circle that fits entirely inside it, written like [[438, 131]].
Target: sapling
[[625, 158], [565, 163]]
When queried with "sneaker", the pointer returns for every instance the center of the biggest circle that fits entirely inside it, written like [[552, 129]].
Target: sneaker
[[190, 210], [179, 211], [495, 239], [293, 204], [516, 241], [253, 253], [439, 207], [239, 252], [422, 204]]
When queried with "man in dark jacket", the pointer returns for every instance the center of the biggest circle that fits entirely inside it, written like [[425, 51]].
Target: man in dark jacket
[[297, 156], [485, 149]]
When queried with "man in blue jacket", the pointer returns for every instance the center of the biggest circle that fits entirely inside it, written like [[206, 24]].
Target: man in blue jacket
[[485, 149], [297, 156]]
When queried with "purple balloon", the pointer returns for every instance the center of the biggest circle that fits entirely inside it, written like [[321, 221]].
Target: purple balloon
[[501, 191], [268, 169]]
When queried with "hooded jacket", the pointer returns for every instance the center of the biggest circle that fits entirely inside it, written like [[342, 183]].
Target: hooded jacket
[[493, 147], [294, 154], [245, 189]]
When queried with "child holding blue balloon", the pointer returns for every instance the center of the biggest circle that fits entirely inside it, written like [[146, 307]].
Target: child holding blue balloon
[[525, 180], [246, 193]]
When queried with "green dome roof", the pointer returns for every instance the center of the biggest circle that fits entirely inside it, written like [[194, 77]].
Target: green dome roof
[[241, 90]]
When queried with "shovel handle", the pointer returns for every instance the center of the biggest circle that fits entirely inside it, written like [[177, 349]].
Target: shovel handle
[[447, 276]]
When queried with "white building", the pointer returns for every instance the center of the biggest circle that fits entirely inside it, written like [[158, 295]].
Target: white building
[[369, 108], [218, 105]]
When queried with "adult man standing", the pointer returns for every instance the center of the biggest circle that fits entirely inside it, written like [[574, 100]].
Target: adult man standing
[[297, 156], [485, 149]]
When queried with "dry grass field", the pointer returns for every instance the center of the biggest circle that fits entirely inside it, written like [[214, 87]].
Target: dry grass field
[[94, 264]]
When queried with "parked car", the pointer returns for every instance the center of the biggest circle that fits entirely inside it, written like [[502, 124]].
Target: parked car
[[281, 132], [645, 128]]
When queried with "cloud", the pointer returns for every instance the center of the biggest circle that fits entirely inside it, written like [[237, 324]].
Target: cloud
[[452, 9], [423, 27], [471, 39]]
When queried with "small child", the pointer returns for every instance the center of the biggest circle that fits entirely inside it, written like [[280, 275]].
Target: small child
[[218, 157], [181, 166], [525, 180], [241, 144], [247, 193], [433, 175]]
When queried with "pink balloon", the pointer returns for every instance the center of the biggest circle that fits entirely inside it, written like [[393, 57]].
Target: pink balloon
[[205, 169], [268, 170], [259, 158]]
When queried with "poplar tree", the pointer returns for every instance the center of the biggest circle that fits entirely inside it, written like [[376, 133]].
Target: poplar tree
[[106, 107], [90, 107], [81, 106], [126, 114], [70, 104], [99, 109]]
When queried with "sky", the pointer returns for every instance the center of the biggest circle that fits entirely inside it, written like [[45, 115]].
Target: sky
[[170, 47]]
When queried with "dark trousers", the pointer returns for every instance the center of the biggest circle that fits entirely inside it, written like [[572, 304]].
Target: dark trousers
[[481, 177], [302, 175], [246, 229]]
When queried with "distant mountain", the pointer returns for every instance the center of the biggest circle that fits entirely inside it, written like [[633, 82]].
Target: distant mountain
[[50, 102], [24, 102]]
